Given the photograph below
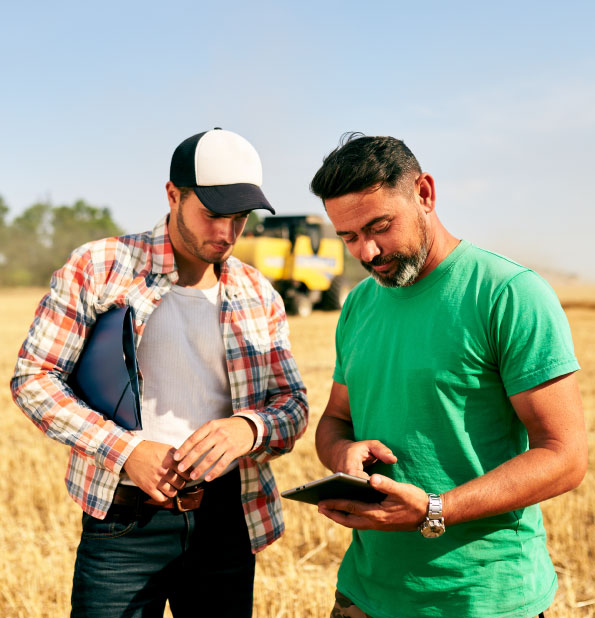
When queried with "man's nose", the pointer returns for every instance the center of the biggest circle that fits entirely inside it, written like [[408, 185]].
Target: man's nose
[[229, 231], [368, 250]]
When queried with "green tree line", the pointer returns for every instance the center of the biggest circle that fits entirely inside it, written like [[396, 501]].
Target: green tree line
[[38, 241]]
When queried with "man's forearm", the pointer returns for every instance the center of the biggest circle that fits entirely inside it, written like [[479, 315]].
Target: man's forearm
[[556, 461], [526, 479], [331, 435], [529, 478], [49, 404]]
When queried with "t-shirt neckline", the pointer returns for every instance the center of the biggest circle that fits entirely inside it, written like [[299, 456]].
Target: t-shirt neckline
[[427, 282]]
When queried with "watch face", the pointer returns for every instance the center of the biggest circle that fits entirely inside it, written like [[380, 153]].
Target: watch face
[[432, 528]]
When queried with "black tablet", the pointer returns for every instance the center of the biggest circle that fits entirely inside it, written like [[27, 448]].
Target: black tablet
[[339, 485]]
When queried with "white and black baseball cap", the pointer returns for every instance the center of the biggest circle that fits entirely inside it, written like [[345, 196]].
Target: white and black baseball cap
[[224, 170]]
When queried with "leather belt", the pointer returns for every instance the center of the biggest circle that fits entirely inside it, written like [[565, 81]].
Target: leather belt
[[185, 500]]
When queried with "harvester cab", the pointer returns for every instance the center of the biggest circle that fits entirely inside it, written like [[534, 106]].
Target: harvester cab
[[302, 257]]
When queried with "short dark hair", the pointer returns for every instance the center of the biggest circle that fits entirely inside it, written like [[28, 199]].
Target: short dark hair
[[185, 193], [361, 162]]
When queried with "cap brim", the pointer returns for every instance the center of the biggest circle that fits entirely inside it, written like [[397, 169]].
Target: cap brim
[[230, 199]]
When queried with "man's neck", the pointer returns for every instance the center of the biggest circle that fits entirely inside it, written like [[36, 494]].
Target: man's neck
[[193, 275], [192, 271], [442, 245]]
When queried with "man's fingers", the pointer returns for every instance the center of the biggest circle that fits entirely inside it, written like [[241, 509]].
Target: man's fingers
[[349, 520], [347, 506], [195, 453], [204, 447], [386, 485], [217, 459], [219, 467], [191, 441], [382, 452], [175, 480], [178, 482], [357, 472], [168, 490], [335, 505], [201, 457], [157, 496]]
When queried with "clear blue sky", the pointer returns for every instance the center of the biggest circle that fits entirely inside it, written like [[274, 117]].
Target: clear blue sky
[[497, 100]]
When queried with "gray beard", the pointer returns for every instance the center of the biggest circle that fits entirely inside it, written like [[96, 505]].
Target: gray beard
[[408, 268]]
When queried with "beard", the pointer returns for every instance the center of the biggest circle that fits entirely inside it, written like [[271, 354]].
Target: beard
[[407, 266], [193, 245]]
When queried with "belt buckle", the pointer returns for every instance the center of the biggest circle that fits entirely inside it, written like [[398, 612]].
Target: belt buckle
[[180, 506], [192, 498]]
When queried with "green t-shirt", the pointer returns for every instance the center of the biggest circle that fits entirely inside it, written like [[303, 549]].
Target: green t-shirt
[[429, 369]]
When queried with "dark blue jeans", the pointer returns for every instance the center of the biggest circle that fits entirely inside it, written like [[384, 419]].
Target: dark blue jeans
[[128, 564]]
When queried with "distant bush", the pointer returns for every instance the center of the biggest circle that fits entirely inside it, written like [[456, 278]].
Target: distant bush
[[39, 241]]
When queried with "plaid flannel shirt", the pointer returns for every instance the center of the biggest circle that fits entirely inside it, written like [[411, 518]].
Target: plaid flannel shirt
[[138, 270]]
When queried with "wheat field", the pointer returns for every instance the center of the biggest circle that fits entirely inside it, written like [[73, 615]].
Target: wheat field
[[295, 577]]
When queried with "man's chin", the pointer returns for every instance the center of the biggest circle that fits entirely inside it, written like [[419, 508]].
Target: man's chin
[[217, 257], [380, 275], [384, 280], [398, 277]]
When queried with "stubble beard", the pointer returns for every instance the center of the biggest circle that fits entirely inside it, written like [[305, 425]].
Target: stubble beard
[[191, 242], [408, 267]]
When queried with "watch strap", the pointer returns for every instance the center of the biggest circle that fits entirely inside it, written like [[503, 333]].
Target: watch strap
[[433, 525], [434, 506]]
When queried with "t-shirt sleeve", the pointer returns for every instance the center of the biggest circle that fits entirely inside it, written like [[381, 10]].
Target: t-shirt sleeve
[[531, 334]]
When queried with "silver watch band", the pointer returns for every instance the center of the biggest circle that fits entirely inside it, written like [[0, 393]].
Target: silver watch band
[[433, 525], [434, 506]]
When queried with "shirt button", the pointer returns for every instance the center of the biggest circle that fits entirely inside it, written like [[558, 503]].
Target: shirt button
[[138, 322], [157, 296]]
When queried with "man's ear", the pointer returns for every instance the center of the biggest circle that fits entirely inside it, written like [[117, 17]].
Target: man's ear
[[173, 195], [426, 191]]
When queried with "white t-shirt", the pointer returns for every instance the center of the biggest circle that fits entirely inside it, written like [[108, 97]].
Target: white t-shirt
[[182, 360]]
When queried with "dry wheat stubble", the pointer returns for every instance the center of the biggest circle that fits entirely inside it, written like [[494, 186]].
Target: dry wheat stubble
[[296, 576]]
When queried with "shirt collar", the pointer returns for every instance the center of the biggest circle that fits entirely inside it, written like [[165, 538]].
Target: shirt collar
[[228, 278], [164, 262]]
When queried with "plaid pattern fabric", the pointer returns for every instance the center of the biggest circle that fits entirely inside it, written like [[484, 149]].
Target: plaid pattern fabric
[[138, 270]]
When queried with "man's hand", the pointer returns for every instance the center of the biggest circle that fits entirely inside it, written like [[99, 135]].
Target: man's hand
[[352, 457], [335, 442], [151, 467], [218, 443], [404, 508]]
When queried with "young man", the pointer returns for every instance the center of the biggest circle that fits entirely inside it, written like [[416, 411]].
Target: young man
[[221, 397], [455, 375]]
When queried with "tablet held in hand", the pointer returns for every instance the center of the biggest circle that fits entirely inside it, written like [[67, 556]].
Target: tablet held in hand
[[338, 485]]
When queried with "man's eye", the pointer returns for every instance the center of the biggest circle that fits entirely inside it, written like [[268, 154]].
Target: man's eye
[[380, 230], [349, 239]]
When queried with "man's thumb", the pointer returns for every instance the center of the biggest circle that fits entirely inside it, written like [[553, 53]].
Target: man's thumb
[[384, 484]]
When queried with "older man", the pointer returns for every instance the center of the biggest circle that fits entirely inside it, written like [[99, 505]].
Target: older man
[[455, 373]]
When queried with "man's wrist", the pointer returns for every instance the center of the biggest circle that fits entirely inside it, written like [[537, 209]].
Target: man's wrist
[[130, 448], [433, 524], [253, 427], [443, 498], [338, 454]]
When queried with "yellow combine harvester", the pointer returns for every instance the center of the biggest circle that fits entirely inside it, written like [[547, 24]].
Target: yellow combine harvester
[[302, 257]]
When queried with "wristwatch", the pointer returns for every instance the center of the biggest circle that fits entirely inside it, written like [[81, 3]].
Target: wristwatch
[[433, 525]]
